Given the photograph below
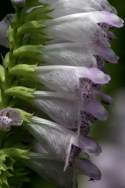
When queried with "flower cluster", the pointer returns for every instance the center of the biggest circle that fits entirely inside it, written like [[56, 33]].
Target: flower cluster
[[57, 53]]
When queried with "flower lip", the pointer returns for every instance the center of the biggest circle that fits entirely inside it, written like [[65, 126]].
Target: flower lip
[[88, 168], [97, 76], [88, 145], [114, 20]]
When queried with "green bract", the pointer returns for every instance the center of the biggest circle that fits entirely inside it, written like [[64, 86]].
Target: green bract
[[26, 33]]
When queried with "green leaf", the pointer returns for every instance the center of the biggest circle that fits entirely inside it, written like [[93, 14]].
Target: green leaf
[[12, 170]]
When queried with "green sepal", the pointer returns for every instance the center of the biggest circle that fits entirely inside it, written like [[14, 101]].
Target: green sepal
[[23, 69], [35, 39], [37, 12], [11, 37], [36, 33], [30, 3], [6, 60], [20, 92], [30, 27], [26, 116], [31, 51], [17, 153], [2, 74]]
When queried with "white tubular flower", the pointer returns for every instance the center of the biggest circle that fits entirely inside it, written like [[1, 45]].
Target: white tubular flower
[[77, 54], [46, 166], [83, 27], [67, 78], [63, 145]]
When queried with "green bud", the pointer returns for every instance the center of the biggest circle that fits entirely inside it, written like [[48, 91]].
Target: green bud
[[10, 34], [26, 117], [30, 27], [6, 60], [23, 70], [38, 12], [2, 74], [31, 51], [20, 92], [15, 153]]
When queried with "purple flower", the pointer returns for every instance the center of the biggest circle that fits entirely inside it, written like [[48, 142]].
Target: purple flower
[[10, 117]]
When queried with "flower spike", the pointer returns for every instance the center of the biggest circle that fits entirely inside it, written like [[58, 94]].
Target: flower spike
[[50, 84]]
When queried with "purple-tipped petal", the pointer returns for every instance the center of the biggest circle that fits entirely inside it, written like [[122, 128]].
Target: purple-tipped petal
[[113, 20], [89, 145], [104, 97], [108, 18], [98, 76], [88, 168], [97, 110], [107, 53]]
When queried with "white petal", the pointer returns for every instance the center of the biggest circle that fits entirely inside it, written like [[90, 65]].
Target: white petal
[[69, 54], [65, 7], [61, 108]]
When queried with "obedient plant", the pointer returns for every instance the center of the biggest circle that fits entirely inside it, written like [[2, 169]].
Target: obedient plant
[[50, 88]]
